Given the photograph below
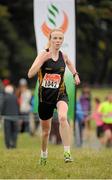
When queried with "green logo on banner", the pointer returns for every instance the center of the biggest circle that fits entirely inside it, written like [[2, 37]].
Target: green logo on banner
[[52, 13]]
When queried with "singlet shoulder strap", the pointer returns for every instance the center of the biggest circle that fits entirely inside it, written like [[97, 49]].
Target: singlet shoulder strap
[[62, 55]]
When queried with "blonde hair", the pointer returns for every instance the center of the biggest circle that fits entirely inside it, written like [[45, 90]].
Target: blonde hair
[[49, 36]]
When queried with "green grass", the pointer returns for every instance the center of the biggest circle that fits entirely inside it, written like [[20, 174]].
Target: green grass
[[22, 163]]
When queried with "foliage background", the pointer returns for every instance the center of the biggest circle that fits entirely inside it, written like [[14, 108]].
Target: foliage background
[[94, 37]]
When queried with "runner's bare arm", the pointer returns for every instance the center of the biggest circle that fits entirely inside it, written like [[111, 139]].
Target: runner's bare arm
[[40, 59], [72, 69], [69, 64]]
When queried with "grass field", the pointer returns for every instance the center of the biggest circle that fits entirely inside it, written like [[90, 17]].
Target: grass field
[[22, 163]]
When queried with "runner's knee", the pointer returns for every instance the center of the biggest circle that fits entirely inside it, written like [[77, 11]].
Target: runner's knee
[[46, 132], [62, 119]]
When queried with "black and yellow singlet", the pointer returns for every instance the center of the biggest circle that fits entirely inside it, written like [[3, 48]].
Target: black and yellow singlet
[[51, 80]]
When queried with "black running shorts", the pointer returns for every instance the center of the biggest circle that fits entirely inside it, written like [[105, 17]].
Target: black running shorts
[[46, 110]]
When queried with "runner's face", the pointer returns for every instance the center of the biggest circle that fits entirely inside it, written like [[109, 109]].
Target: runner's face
[[56, 39]]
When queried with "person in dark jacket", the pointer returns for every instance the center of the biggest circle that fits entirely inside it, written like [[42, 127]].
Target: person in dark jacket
[[10, 111]]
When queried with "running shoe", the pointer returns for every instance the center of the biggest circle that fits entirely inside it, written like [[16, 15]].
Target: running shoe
[[43, 161], [67, 157]]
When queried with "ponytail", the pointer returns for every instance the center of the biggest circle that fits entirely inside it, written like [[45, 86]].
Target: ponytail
[[47, 45]]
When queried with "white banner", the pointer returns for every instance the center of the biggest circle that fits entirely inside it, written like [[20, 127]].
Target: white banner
[[50, 14]]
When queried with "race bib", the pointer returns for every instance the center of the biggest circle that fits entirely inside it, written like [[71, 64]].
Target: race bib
[[51, 81]]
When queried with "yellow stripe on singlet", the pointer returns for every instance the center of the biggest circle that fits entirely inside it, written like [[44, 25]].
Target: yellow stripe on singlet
[[40, 83], [62, 88]]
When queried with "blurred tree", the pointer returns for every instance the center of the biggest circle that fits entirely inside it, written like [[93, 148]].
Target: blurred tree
[[94, 21], [17, 39], [94, 38]]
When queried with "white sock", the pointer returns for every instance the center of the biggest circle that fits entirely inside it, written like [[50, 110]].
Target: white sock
[[44, 153], [67, 149]]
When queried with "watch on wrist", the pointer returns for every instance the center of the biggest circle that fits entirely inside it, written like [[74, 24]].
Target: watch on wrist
[[76, 73]]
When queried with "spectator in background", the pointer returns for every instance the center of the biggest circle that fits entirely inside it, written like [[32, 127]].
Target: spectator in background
[[98, 120], [6, 82], [85, 101], [17, 93], [54, 134], [105, 111], [25, 106], [78, 124], [34, 118], [10, 111]]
